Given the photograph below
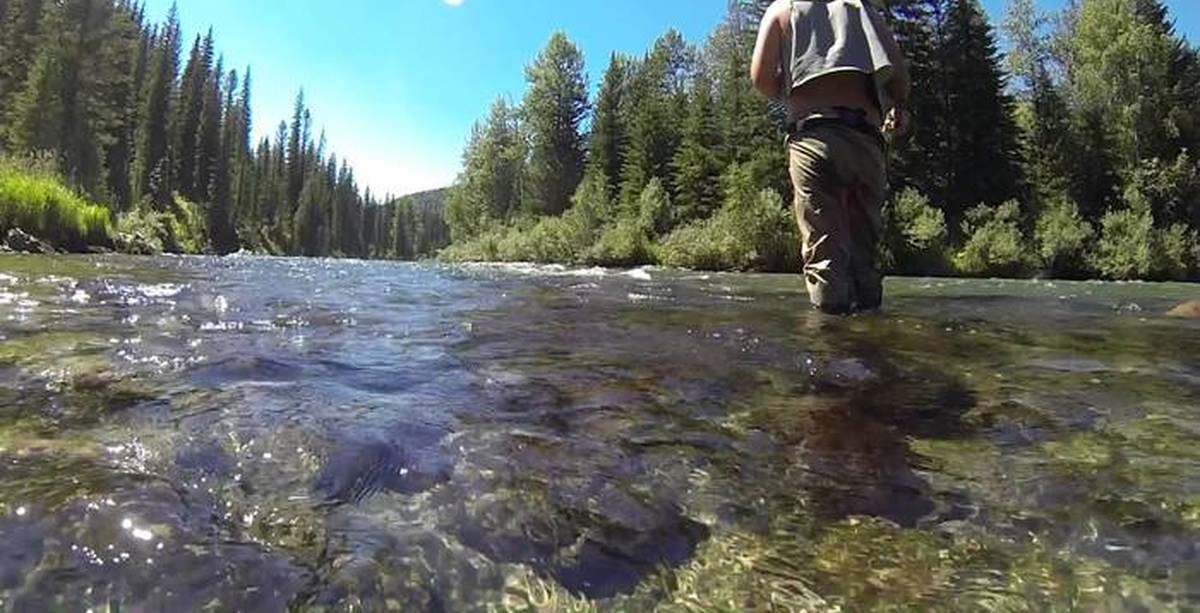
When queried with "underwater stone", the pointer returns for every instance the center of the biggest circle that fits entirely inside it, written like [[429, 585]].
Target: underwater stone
[[1187, 310]]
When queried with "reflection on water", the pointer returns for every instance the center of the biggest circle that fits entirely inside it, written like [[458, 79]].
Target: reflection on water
[[260, 434]]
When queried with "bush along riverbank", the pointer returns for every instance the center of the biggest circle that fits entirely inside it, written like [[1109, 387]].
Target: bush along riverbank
[[40, 214], [1069, 156]]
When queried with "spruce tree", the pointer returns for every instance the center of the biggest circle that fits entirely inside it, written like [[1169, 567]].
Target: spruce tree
[[608, 133], [207, 148], [153, 176], [488, 191], [127, 56], [192, 97], [554, 107], [221, 225], [657, 90], [982, 154], [696, 164], [20, 32], [66, 105], [296, 142]]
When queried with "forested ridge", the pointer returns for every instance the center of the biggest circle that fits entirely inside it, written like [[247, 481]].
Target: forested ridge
[[94, 96], [1073, 154]]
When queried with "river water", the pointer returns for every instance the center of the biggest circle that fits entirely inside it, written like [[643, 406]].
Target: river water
[[268, 434]]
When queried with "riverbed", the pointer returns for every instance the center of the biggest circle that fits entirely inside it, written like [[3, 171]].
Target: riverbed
[[266, 434]]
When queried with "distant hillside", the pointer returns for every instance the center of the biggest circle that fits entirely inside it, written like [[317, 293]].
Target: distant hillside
[[429, 200], [418, 224]]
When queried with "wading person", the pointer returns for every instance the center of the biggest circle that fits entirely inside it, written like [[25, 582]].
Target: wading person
[[838, 68]]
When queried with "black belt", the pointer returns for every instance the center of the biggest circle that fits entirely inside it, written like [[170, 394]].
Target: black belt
[[855, 119]]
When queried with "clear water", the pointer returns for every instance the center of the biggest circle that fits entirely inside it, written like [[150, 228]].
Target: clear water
[[261, 434]]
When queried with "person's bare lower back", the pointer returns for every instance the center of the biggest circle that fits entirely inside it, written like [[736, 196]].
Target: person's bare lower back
[[848, 89]]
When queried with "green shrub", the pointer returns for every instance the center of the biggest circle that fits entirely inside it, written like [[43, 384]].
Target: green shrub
[[33, 199], [188, 232], [1125, 248], [482, 248], [654, 208], [755, 233], [625, 243], [915, 235], [1062, 239], [551, 240], [994, 244], [1174, 253], [142, 231], [180, 229]]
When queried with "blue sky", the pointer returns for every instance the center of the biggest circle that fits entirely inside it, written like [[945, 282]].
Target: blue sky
[[396, 84]]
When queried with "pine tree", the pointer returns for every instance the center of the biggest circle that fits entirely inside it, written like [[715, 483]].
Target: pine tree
[[554, 107], [982, 161], [20, 32], [296, 143], [207, 148], [221, 225], [192, 97], [66, 105], [919, 158], [608, 129], [310, 226], [696, 165], [127, 56], [749, 129], [488, 191], [240, 124], [153, 176], [657, 89]]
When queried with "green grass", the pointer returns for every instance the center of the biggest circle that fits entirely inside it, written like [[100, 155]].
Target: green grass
[[36, 201]]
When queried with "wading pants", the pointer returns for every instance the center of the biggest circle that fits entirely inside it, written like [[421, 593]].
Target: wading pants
[[839, 176]]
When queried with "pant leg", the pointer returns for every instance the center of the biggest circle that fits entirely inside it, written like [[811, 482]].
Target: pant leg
[[866, 225], [822, 216], [866, 166], [839, 179]]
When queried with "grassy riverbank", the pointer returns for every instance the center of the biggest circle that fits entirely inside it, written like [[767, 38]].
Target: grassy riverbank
[[35, 200]]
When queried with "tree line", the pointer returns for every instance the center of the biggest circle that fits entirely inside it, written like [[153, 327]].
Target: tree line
[[1071, 155], [164, 141]]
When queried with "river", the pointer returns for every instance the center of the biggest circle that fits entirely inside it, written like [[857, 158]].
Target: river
[[273, 434]]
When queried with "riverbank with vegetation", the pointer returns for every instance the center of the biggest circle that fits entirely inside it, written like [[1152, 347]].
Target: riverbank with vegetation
[[1071, 156], [113, 112]]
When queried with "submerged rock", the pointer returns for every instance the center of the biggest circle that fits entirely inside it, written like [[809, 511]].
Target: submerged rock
[[358, 470], [22, 242], [1187, 310]]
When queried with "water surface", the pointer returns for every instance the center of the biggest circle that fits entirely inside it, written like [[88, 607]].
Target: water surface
[[268, 434]]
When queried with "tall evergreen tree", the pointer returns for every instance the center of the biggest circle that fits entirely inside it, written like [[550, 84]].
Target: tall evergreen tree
[[983, 152], [488, 190], [193, 93], [555, 105], [608, 133], [207, 149], [296, 143], [153, 176], [696, 165], [20, 32], [221, 227], [656, 90], [127, 57]]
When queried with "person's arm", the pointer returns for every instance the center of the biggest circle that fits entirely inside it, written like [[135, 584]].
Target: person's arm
[[899, 87], [765, 68]]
